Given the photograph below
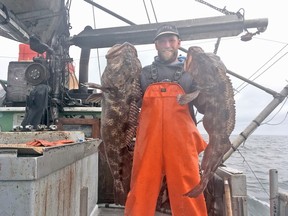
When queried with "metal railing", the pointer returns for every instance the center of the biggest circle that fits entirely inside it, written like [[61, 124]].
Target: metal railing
[[278, 200]]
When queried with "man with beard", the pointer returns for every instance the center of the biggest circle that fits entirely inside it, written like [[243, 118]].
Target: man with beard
[[167, 140]]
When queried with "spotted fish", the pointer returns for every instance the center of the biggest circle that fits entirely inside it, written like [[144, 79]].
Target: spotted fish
[[120, 95], [214, 98]]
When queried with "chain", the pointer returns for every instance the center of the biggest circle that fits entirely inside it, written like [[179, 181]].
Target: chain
[[224, 11]]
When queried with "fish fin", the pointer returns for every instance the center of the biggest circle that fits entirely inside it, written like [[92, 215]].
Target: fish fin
[[196, 191], [186, 98], [91, 85], [96, 86], [95, 98]]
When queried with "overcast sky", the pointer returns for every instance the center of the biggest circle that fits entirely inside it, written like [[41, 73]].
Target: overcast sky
[[264, 56]]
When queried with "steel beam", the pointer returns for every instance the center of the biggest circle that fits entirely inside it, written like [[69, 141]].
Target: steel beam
[[11, 27], [193, 29]]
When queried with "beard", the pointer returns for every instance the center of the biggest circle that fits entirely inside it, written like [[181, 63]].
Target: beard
[[167, 55]]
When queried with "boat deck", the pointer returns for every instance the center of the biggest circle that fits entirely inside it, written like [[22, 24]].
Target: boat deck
[[117, 211]]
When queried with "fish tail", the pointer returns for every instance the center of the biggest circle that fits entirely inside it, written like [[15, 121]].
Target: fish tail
[[95, 98]]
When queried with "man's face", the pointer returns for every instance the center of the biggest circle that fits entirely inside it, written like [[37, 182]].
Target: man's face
[[167, 46]]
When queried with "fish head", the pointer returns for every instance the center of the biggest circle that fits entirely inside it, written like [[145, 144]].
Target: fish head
[[202, 66], [190, 64], [123, 68], [118, 49]]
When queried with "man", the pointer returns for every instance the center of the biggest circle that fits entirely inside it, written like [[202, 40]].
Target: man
[[167, 141], [36, 106]]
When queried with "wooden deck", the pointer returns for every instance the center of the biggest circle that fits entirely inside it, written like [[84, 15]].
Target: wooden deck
[[117, 211]]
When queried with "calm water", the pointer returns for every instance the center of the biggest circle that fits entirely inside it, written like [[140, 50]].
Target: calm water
[[255, 158]]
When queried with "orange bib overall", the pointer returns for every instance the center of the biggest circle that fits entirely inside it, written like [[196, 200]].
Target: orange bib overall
[[167, 143]]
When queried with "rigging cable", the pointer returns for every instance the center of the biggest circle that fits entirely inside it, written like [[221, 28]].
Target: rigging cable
[[146, 11], [97, 50], [267, 122], [238, 13], [263, 71], [238, 90], [217, 45], [154, 11], [224, 11], [254, 174]]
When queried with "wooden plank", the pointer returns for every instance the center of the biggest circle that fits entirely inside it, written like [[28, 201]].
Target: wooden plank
[[118, 211], [84, 201], [94, 123], [23, 148]]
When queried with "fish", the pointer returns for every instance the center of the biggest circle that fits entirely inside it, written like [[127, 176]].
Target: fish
[[120, 98], [214, 98]]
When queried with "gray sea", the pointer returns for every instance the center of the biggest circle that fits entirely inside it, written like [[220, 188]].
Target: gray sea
[[255, 157]]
